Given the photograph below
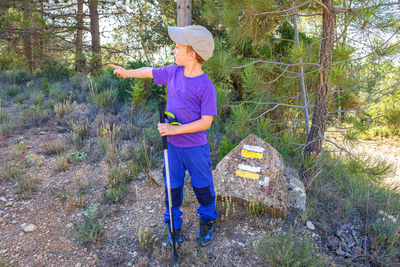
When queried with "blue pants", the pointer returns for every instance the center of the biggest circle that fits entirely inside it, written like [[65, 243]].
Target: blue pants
[[198, 162]]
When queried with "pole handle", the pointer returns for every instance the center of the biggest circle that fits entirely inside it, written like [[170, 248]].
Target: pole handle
[[161, 109]]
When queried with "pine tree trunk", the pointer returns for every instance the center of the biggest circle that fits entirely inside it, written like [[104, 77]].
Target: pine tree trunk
[[95, 32], [184, 12], [80, 61], [318, 127], [27, 43], [37, 39]]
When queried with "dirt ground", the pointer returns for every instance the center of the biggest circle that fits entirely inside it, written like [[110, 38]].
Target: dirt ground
[[53, 243]]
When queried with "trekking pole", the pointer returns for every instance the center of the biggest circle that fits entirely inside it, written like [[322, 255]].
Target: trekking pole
[[165, 148]]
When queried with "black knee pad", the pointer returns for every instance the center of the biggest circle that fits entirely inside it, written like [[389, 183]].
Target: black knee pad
[[204, 195], [176, 194]]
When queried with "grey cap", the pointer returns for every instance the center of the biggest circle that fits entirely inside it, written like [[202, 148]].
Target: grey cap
[[196, 36]]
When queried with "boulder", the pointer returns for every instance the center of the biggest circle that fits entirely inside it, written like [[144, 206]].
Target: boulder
[[254, 172]]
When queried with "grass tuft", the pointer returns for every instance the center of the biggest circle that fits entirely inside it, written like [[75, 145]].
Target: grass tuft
[[289, 249]]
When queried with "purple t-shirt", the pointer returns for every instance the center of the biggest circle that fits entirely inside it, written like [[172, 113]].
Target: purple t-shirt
[[188, 99]]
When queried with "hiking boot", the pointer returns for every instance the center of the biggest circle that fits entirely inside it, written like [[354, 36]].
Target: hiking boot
[[178, 237], [205, 234]]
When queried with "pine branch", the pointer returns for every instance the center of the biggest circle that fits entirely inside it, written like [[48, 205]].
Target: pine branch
[[283, 11], [274, 62], [373, 52], [349, 10], [322, 4]]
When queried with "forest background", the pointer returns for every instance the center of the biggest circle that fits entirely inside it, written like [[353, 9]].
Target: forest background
[[310, 77]]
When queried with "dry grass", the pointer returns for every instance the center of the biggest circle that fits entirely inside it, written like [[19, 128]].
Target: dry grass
[[52, 147], [64, 108]]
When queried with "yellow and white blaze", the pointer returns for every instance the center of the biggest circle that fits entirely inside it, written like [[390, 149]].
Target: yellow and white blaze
[[255, 152], [247, 171]]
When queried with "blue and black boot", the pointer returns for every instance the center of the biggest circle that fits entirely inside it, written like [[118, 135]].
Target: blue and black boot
[[178, 237], [205, 235]]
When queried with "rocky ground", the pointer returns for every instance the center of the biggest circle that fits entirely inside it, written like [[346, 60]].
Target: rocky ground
[[39, 230]]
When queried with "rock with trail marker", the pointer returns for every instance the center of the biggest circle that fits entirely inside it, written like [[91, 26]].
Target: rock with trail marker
[[254, 171]]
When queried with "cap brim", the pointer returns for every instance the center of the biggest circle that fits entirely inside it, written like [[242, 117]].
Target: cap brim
[[176, 34]]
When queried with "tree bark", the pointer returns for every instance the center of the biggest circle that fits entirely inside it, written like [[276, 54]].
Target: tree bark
[[184, 12], [38, 39], [27, 43], [80, 60], [318, 127], [95, 32]]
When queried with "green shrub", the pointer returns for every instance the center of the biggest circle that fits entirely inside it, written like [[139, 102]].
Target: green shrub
[[117, 192], [118, 183], [105, 100], [12, 170], [54, 70], [289, 249], [118, 176], [26, 184], [90, 228], [10, 60], [57, 94], [16, 76], [225, 147], [37, 98], [13, 90]]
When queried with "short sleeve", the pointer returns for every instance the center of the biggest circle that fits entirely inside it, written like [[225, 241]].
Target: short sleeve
[[209, 101], [163, 75]]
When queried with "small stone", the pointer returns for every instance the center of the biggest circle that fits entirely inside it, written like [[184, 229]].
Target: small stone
[[135, 253], [241, 244], [3, 199], [9, 204], [70, 225], [153, 225], [129, 264], [78, 264], [151, 211], [310, 226], [30, 228], [164, 244]]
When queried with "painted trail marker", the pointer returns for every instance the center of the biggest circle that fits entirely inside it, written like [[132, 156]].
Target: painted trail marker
[[254, 171]]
